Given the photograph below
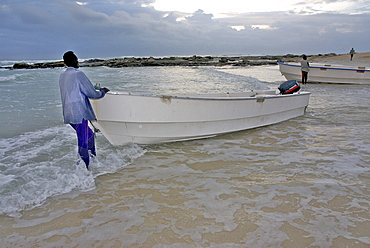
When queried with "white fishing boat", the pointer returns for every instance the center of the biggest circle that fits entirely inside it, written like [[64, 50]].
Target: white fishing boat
[[326, 73], [125, 117]]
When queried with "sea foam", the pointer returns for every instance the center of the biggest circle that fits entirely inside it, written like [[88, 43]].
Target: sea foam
[[44, 163]]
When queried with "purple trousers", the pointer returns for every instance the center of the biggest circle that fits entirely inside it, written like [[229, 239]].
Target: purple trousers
[[86, 142]]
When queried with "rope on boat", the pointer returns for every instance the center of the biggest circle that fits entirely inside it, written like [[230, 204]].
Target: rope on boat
[[96, 130]]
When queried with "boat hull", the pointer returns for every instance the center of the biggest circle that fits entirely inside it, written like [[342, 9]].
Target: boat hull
[[149, 119], [326, 73]]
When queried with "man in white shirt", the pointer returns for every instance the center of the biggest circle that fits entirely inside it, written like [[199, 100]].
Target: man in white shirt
[[76, 89], [305, 68]]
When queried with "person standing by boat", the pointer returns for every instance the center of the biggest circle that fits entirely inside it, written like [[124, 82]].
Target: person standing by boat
[[76, 89], [352, 52], [305, 68]]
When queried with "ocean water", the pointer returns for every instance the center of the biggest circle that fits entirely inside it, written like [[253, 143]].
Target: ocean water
[[300, 183]]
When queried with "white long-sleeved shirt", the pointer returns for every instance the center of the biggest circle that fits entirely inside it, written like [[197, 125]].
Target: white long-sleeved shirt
[[305, 66], [75, 90]]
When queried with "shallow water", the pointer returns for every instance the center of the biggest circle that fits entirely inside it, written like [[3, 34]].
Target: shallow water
[[301, 183]]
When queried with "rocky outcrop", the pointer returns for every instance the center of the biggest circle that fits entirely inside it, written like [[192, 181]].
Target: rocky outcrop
[[38, 65], [175, 61]]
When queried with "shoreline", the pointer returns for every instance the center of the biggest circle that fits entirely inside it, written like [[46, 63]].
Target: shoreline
[[359, 58]]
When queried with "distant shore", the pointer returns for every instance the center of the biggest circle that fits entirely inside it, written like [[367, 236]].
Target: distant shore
[[362, 59]]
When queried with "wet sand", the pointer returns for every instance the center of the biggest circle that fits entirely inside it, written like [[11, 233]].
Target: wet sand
[[301, 183]]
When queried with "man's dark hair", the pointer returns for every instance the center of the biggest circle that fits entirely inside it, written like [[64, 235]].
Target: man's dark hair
[[70, 59]]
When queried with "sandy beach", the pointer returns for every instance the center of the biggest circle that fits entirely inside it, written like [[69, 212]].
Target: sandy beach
[[359, 59]]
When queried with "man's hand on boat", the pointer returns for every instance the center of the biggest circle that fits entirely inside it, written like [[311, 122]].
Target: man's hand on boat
[[105, 90]]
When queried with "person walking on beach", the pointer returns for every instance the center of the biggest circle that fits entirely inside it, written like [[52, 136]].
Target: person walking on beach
[[75, 90], [305, 68], [352, 52]]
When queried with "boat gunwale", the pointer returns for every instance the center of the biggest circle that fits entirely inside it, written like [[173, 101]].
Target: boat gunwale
[[202, 97], [326, 67]]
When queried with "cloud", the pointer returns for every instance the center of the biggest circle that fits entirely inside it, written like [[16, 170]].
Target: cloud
[[46, 29], [82, 14], [30, 14]]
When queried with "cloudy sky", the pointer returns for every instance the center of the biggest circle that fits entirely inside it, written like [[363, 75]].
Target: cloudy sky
[[45, 29]]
